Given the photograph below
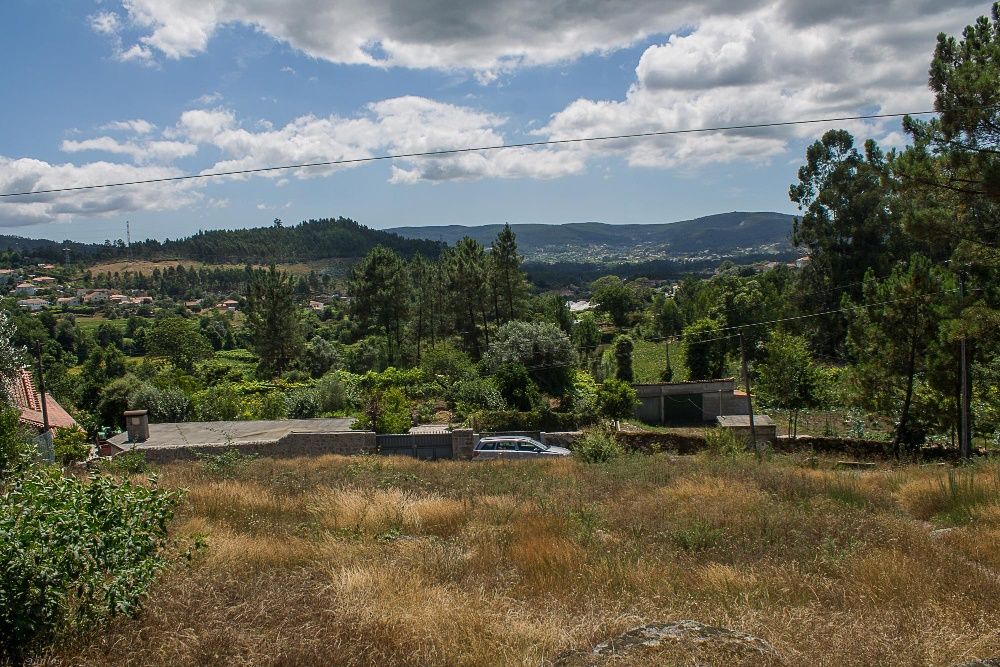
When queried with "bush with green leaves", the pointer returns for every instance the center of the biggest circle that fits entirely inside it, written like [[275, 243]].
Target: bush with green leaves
[[597, 446], [387, 412], [724, 442], [16, 449], [75, 552], [219, 403], [303, 404], [272, 405], [616, 399], [475, 394], [332, 394], [71, 445], [491, 421]]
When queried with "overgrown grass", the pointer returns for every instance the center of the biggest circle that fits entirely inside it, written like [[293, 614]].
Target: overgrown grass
[[392, 561]]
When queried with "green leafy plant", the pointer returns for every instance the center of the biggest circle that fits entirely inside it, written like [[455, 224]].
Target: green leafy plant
[[597, 447], [71, 445], [75, 552]]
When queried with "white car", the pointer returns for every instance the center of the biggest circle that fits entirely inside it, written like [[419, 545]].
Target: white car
[[509, 447]]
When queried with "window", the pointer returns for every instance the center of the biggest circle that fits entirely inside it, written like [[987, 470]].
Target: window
[[507, 445], [526, 447], [487, 446]]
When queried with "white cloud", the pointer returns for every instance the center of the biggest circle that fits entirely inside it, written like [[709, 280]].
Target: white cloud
[[142, 152], [485, 36], [399, 125], [26, 174], [104, 23], [289, 70], [136, 126], [761, 67]]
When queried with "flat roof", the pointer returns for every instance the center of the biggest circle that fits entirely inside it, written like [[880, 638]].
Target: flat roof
[[744, 420], [193, 434]]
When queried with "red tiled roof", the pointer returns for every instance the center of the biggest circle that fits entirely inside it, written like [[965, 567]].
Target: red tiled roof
[[29, 402]]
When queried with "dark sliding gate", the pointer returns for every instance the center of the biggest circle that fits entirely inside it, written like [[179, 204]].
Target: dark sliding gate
[[429, 446]]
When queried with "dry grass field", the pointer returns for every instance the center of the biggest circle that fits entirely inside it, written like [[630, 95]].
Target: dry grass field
[[377, 561]]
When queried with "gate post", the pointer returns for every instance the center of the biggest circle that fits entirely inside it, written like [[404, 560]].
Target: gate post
[[462, 443]]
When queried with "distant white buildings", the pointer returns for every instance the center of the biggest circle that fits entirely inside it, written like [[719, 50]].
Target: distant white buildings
[[579, 306], [25, 289], [33, 304]]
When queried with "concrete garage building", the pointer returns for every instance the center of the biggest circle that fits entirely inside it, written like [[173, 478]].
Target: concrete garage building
[[696, 402]]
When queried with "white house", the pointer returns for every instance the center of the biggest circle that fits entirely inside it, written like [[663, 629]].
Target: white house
[[25, 289], [33, 304]]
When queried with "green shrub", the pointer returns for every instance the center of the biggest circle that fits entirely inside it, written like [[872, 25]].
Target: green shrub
[[218, 403], [75, 553], [616, 399], [16, 448], [723, 442], [228, 464], [273, 405], [126, 464], [387, 412], [71, 445], [597, 447], [487, 421], [331, 393], [303, 404]]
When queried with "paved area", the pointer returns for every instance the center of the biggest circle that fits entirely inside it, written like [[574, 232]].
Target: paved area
[[188, 434]]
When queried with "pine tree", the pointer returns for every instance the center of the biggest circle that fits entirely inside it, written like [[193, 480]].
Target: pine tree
[[273, 320], [508, 280]]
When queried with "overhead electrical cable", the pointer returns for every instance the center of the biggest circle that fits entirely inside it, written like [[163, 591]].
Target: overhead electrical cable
[[474, 149]]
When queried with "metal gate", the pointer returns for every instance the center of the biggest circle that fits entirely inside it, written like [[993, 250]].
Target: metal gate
[[428, 446]]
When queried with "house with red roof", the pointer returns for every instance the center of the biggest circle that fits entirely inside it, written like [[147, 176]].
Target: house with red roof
[[26, 399]]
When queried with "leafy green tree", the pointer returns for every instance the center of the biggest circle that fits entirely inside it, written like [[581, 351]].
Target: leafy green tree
[[586, 335], [541, 347], [787, 377], [616, 399], [387, 411], [848, 225], [178, 340], [517, 388], [704, 356], [508, 282], [616, 298], [219, 403], [71, 445], [11, 356], [466, 268], [321, 356], [889, 339], [273, 320], [380, 285], [623, 347]]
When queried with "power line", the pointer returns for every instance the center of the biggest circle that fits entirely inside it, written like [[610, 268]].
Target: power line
[[475, 149]]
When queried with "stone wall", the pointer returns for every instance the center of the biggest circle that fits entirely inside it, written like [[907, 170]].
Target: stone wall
[[463, 442], [291, 445]]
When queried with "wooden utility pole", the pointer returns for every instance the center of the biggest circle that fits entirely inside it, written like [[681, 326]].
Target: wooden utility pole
[[47, 452], [746, 383], [965, 432]]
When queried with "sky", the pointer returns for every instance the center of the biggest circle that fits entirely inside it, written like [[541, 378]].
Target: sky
[[110, 91]]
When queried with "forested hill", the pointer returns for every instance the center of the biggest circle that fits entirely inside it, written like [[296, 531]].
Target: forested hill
[[327, 238], [312, 239], [724, 234]]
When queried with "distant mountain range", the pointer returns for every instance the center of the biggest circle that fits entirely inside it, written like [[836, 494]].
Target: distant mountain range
[[723, 235], [706, 241]]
